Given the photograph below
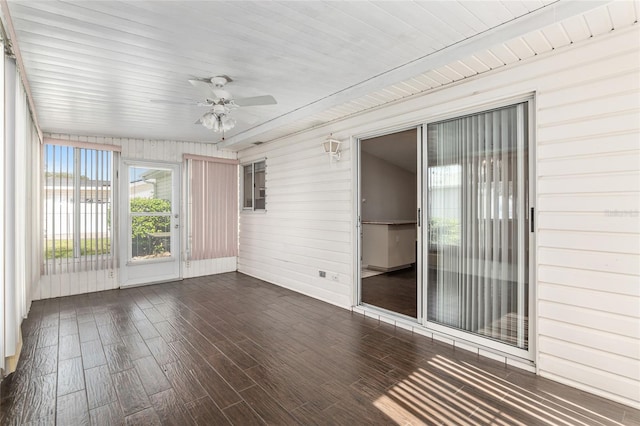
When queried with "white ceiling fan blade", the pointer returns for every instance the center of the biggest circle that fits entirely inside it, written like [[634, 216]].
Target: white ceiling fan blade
[[256, 100], [166, 101], [204, 86], [191, 103]]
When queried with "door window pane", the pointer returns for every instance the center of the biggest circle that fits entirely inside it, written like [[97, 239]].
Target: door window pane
[[477, 181], [146, 185], [150, 237], [150, 212]]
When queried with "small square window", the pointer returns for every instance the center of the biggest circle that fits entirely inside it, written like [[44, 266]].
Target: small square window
[[254, 193]]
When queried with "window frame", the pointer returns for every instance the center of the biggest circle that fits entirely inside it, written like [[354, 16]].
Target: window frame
[[77, 261], [242, 188]]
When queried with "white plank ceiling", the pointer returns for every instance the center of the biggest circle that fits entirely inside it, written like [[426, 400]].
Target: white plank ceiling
[[94, 66]]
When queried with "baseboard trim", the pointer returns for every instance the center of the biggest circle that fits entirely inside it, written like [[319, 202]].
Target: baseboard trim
[[11, 362]]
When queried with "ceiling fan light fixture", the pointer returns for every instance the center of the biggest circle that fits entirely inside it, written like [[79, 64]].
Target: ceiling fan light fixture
[[221, 103], [218, 119], [227, 123], [208, 120], [219, 109]]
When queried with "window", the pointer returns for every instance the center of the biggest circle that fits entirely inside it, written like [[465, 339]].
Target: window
[[78, 213], [253, 186]]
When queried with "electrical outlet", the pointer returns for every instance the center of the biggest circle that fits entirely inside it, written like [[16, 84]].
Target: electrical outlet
[[111, 274], [322, 274], [334, 277], [187, 264]]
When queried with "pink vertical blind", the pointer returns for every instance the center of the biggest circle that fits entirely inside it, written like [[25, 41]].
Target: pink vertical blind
[[213, 207]]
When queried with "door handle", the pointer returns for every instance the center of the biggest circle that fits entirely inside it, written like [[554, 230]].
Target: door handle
[[532, 219]]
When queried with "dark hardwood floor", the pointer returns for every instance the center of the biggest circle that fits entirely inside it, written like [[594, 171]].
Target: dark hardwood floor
[[230, 349], [395, 291]]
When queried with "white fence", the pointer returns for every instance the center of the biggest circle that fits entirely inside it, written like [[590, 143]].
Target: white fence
[[60, 217]]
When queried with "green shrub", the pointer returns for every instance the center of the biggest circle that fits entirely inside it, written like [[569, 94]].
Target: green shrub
[[444, 231], [144, 244]]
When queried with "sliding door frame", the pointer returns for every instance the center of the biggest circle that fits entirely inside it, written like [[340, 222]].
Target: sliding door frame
[[525, 358], [421, 203], [527, 118], [356, 143]]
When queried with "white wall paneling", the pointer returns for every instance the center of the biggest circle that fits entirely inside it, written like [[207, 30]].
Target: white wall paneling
[[307, 223], [198, 268], [588, 198]]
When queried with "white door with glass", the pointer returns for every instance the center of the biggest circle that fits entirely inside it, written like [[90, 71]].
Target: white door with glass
[[150, 223]]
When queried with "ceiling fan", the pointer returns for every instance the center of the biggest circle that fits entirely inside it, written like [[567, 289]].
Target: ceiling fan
[[220, 102]]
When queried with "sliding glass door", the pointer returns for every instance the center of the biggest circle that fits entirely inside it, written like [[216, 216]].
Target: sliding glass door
[[477, 243]]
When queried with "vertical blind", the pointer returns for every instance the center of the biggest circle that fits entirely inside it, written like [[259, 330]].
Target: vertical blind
[[19, 219], [212, 208], [477, 185], [79, 216]]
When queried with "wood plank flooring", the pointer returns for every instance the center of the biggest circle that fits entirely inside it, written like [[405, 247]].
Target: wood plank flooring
[[231, 349], [395, 291]]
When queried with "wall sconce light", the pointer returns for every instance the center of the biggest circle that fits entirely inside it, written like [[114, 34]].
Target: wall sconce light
[[332, 147]]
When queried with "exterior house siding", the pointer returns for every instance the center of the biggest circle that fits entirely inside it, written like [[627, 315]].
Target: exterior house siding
[[587, 176], [306, 226]]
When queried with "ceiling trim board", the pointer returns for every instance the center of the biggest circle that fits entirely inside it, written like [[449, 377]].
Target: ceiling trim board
[[518, 27], [8, 24]]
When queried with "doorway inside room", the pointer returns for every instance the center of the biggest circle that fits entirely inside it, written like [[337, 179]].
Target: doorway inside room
[[388, 212], [150, 223]]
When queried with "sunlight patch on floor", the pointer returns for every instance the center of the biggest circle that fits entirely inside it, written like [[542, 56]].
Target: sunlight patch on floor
[[459, 393], [516, 397]]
